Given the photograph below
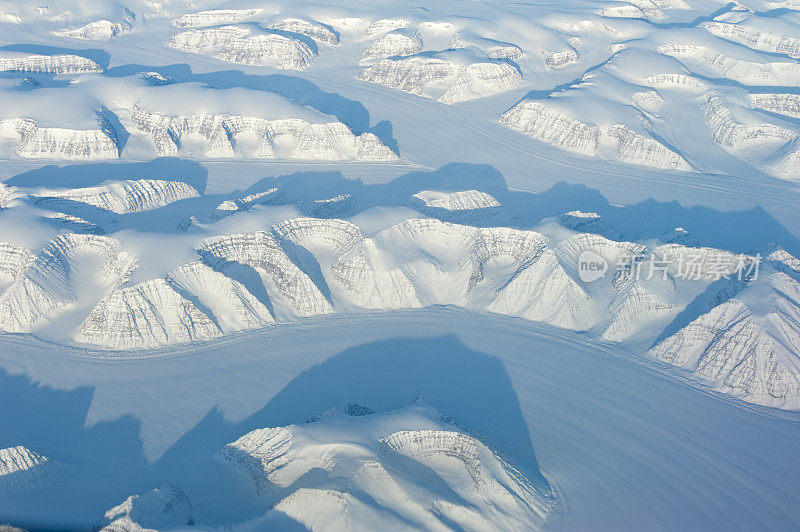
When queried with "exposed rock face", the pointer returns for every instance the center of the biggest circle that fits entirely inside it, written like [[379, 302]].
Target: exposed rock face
[[74, 224], [14, 262], [561, 59], [441, 79], [232, 136], [707, 61], [751, 38], [36, 142], [147, 315], [785, 104], [47, 288], [227, 301], [638, 149], [165, 507], [481, 80], [267, 197], [101, 30], [457, 207], [371, 463], [123, 197], [412, 75], [761, 144], [390, 45], [633, 305], [646, 9], [292, 292], [338, 205], [21, 468], [588, 222], [745, 347], [553, 127], [246, 45], [214, 17], [558, 129], [57, 64], [320, 33], [8, 196]]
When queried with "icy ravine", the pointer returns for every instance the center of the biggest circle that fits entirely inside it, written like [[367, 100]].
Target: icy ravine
[[384, 456]]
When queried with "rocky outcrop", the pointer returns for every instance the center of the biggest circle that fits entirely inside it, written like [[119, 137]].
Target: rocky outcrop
[[369, 463], [247, 45], [747, 345], [215, 17], [439, 78], [146, 315], [291, 290], [101, 30], [552, 127], [47, 288], [319, 33], [709, 62], [617, 142], [784, 104], [21, 468], [467, 206], [756, 40], [74, 224], [392, 45], [271, 196], [56, 64], [290, 138], [122, 197], [35, 142], [164, 507]]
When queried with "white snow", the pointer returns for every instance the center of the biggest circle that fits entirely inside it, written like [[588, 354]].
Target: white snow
[[57, 64], [250, 137], [21, 468], [123, 197], [157, 509], [371, 466]]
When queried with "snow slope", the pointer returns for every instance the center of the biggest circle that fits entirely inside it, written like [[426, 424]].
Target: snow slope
[[412, 468], [21, 468], [161, 508], [557, 220]]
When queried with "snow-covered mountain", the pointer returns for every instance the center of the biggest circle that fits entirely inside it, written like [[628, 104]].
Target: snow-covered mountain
[[412, 468], [572, 225]]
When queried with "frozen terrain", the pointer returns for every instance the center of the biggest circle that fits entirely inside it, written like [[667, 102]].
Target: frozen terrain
[[240, 241], [372, 465]]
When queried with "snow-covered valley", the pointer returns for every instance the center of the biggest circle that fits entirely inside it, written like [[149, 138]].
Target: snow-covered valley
[[443, 267]]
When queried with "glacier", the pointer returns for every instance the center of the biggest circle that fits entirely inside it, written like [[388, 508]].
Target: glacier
[[238, 239]]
